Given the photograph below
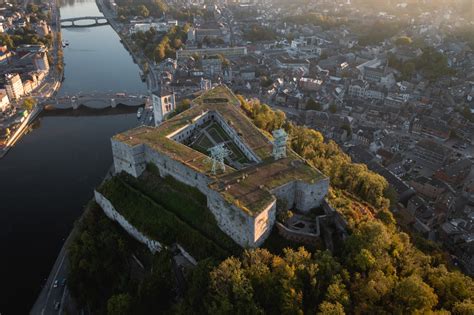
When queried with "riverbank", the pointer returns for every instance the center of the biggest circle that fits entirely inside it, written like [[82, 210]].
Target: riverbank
[[21, 130], [52, 82]]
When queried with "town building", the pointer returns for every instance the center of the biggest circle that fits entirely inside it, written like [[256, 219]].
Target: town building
[[432, 152], [4, 100], [228, 52], [41, 61], [14, 86]]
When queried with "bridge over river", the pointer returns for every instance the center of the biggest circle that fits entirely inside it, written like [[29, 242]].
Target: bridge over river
[[95, 21], [97, 100]]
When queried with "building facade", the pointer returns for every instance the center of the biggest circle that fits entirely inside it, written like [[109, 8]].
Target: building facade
[[14, 86]]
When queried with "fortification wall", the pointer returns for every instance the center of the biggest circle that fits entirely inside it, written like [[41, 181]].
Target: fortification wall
[[264, 223], [297, 236], [231, 220], [310, 196], [128, 159], [239, 225], [183, 134], [302, 196], [244, 229], [177, 170], [114, 215], [286, 193]]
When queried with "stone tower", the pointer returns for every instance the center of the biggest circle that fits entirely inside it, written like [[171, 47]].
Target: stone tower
[[163, 100], [279, 144]]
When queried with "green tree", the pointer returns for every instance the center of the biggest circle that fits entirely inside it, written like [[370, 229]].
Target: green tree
[[333, 108], [452, 287], [391, 194], [29, 103], [465, 307], [119, 304], [403, 41], [32, 8], [364, 260], [155, 293], [327, 308], [284, 216], [232, 291], [143, 11], [414, 295], [6, 40]]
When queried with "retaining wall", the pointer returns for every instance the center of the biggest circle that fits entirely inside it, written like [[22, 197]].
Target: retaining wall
[[114, 215]]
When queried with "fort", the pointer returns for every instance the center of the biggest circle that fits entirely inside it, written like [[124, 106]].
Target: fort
[[245, 174]]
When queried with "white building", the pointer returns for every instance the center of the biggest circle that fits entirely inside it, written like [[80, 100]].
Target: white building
[[4, 100], [144, 27], [41, 61], [14, 86]]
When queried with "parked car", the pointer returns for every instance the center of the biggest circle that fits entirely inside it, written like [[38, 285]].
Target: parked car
[[55, 285]]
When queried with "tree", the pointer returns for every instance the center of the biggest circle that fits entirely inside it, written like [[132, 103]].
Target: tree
[[337, 293], [6, 40], [258, 33], [364, 260], [403, 41], [32, 8], [465, 307], [333, 108], [160, 52], [232, 291], [391, 194], [452, 287], [284, 216], [143, 11], [433, 64], [155, 293], [29, 103], [413, 295], [407, 70], [119, 304], [327, 308]]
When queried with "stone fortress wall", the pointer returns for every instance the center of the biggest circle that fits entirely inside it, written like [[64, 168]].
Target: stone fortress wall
[[109, 210], [301, 195], [242, 227]]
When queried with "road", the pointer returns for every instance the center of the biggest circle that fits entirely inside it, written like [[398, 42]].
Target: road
[[50, 295]]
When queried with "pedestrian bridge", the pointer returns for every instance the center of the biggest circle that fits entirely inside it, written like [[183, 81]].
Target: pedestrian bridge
[[98, 100], [94, 21]]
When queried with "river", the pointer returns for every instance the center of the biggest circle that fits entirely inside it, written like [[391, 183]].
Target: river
[[47, 178]]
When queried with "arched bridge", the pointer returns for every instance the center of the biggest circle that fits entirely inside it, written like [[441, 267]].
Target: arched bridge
[[96, 21], [98, 100]]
